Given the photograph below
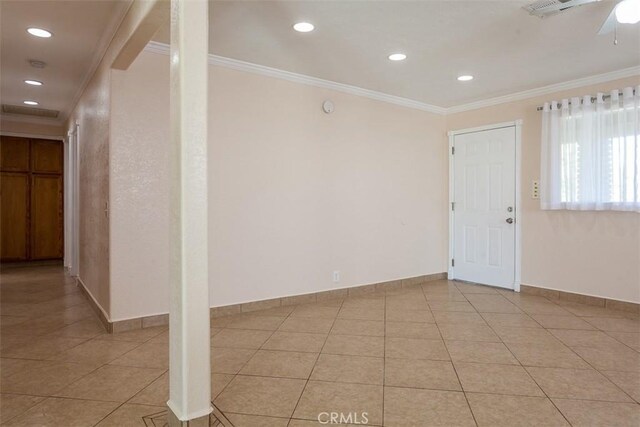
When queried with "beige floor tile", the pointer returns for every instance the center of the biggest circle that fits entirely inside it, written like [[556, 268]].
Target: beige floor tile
[[10, 367], [455, 306], [467, 332], [542, 308], [42, 348], [283, 311], [356, 313], [411, 348], [349, 369], [96, 351], [240, 338], [274, 397], [574, 338], [480, 352], [616, 357], [372, 328], [321, 397], [430, 374], [614, 324], [9, 342], [147, 355], [585, 310], [87, 328], [458, 317], [263, 323], [630, 339], [405, 407], [355, 345], [589, 413], [136, 335], [577, 384], [64, 412], [409, 304], [241, 420], [219, 382], [522, 335], [427, 331], [510, 320], [111, 383], [468, 288], [554, 355], [629, 382], [409, 316], [493, 410], [229, 360], [155, 394], [307, 324], [451, 296], [132, 415], [285, 364], [552, 321], [295, 341], [45, 378], [12, 405], [496, 379], [316, 311]]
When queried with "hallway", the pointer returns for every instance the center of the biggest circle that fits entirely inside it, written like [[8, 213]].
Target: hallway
[[443, 353]]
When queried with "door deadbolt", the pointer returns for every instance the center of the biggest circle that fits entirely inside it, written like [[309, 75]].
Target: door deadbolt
[[509, 209], [509, 220]]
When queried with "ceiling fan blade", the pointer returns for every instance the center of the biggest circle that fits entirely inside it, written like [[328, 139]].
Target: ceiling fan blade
[[609, 24]]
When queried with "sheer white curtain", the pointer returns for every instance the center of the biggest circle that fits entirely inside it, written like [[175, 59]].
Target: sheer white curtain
[[590, 157]]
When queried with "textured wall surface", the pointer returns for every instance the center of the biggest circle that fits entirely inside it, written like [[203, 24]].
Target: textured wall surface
[[294, 194], [593, 253]]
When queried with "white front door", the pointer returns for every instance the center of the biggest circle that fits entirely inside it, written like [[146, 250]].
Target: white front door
[[484, 197]]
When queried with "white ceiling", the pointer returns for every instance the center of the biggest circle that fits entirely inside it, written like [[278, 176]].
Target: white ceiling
[[505, 48], [498, 42], [82, 30]]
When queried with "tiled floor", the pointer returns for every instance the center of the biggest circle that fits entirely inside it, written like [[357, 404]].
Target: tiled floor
[[443, 353]]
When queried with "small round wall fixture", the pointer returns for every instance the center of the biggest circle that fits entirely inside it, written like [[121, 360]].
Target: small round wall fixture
[[328, 107], [30, 102]]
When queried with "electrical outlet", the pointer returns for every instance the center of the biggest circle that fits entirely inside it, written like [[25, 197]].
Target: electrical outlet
[[535, 190], [336, 276]]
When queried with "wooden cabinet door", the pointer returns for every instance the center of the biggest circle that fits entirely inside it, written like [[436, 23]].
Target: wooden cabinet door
[[14, 216], [14, 154], [46, 156], [46, 217]]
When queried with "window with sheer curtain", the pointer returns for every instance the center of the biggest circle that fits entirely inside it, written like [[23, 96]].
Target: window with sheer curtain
[[590, 156]]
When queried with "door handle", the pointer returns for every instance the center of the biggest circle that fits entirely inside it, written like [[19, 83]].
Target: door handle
[[509, 220]]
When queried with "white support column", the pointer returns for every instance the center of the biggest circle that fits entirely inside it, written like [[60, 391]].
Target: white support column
[[189, 367]]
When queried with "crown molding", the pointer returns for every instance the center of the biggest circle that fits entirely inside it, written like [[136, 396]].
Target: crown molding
[[162, 48], [235, 64], [19, 118], [546, 90]]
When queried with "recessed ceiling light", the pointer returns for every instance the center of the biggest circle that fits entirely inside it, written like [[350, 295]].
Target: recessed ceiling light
[[30, 102], [303, 27], [397, 57], [39, 32], [465, 78], [33, 82]]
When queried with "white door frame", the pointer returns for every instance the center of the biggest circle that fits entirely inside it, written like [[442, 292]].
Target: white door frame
[[517, 124]]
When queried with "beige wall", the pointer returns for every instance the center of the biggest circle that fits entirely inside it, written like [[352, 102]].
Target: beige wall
[[594, 253], [294, 193], [37, 129]]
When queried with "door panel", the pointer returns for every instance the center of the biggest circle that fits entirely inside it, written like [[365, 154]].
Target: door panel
[[14, 154], [484, 190], [14, 216], [46, 156], [46, 217]]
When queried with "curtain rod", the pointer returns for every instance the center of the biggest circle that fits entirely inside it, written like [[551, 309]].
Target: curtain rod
[[593, 99]]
